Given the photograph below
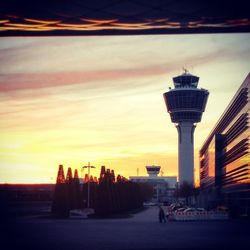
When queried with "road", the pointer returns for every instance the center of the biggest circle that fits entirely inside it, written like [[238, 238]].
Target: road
[[142, 231]]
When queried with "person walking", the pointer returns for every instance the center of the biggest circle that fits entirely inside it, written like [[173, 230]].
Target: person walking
[[161, 215]]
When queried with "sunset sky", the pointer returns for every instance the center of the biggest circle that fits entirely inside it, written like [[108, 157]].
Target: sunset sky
[[74, 100]]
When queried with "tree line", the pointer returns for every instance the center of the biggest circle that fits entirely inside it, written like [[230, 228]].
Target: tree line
[[108, 194]]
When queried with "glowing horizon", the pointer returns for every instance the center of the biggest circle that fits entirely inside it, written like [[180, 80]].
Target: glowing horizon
[[74, 100]]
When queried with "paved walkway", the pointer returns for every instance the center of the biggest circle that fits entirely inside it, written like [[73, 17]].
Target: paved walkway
[[141, 232], [148, 215]]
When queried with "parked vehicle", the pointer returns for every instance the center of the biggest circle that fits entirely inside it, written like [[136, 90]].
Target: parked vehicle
[[181, 209], [190, 209], [149, 204], [200, 209]]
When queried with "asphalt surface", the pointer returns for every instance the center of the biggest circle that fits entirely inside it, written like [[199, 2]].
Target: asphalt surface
[[142, 231]]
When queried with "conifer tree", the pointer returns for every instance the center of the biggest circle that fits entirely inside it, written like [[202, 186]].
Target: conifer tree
[[77, 192], [60, 204]]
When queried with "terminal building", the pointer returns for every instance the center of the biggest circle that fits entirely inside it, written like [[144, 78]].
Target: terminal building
[[225, 157], [164, 186]]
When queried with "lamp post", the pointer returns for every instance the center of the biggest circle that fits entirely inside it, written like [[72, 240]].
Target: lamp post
[[88, 167]]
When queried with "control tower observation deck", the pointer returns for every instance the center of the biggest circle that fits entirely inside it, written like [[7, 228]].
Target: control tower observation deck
[[185, 104]]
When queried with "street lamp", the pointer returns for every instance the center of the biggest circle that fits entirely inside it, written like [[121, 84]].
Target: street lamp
[[88, 167]]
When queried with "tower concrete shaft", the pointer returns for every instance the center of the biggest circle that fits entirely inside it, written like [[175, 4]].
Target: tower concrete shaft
[[185, 104], [186, 151]]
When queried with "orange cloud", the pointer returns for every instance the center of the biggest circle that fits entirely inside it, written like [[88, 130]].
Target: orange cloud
[[21, 81]]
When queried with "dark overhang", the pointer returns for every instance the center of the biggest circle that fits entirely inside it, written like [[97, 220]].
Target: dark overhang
[[121, 17]]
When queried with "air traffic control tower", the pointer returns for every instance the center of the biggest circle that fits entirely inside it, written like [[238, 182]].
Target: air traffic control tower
[[185, 104]]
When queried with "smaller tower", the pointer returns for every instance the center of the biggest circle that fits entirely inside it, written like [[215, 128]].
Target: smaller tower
[[153, 171]]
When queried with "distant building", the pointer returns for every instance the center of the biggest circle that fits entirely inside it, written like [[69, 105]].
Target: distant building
[[225, 157], [27, 192], [164, 186], [185, 104]]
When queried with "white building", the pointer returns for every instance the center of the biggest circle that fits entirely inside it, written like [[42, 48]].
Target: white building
[[164, 186]]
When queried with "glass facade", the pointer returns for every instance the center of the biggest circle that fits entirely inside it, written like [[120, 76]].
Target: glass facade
[[225, 155], [210, 162], [211, 158], [186, 99], [186, 104], [186, 80]]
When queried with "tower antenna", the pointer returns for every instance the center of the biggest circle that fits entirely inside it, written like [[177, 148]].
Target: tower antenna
[[185, 70], [162, 172]]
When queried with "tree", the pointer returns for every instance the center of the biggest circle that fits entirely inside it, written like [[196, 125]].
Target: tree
[[147, 191], [60, 204], [77, 191], [116, 195], [186, 190]]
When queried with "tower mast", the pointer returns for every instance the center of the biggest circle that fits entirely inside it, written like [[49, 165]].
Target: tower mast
[[185, 104]]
